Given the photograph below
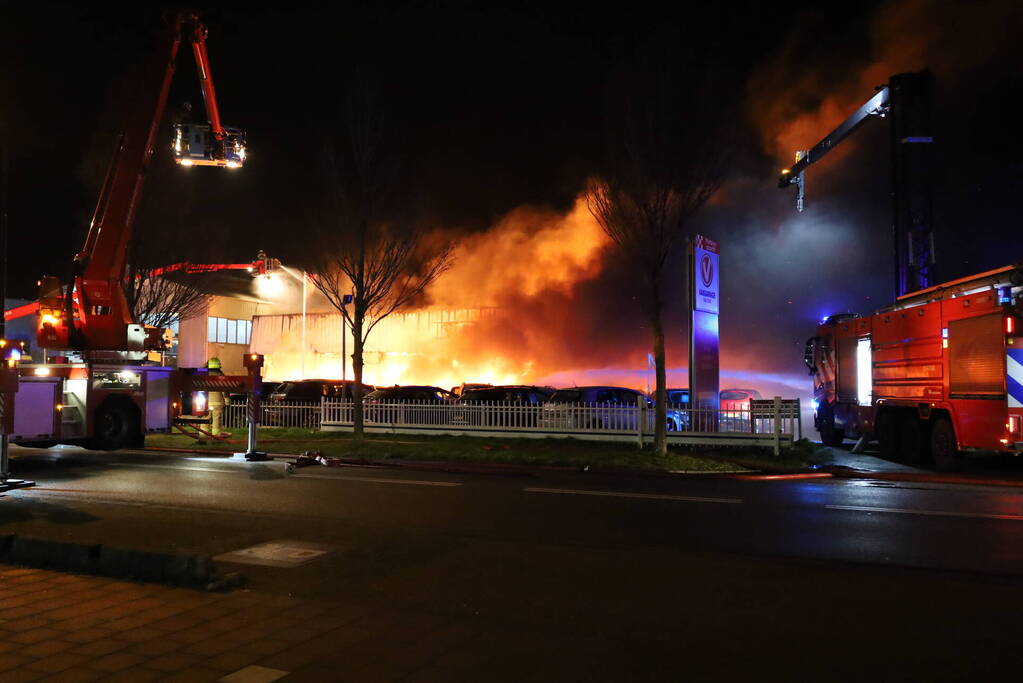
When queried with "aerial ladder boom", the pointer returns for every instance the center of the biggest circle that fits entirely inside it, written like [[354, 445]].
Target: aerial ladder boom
[[905, 102], [92, 313]]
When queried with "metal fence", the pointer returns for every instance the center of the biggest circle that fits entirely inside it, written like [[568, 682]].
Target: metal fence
[[296, 414], [774, 423]]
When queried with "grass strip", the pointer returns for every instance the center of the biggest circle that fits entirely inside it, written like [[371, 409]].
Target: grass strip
[[595, 455]]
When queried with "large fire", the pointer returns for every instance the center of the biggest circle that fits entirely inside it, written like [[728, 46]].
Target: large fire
[[498, 278]]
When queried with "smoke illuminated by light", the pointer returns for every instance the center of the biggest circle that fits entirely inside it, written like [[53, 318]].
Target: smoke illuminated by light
[[269, 286]]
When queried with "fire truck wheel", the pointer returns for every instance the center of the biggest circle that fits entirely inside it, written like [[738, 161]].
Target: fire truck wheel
[[887, 429], [117, 426], [943, 446], [830, 435], [914, 446]]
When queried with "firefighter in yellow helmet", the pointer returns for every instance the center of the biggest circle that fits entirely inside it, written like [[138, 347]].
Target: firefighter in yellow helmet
[[216, 400]]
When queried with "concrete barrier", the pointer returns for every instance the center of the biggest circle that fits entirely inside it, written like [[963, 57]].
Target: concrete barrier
[[195, 571], [46, 554]]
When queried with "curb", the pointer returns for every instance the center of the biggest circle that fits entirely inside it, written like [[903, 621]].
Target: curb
[[192, 571]]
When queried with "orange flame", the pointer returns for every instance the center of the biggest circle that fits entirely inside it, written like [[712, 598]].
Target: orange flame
[[529, 255]]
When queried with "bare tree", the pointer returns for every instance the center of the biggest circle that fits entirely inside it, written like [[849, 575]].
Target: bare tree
[[164, 235], [666, 158], [157, 301], [371, 251]]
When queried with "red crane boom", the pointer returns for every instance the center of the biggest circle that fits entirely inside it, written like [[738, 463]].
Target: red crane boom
[[93, 313]]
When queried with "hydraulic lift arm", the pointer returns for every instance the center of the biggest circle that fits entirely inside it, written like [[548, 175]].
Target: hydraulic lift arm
[[202, 64], [92, 314], [875, 106], [905, 101]]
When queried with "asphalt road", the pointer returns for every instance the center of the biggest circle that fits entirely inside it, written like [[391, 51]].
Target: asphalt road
[[624, 578]]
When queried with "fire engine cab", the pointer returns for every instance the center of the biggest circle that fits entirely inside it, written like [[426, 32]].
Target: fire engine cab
[[939, 374]]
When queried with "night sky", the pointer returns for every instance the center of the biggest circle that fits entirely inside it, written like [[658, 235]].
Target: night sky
[[497, 108]]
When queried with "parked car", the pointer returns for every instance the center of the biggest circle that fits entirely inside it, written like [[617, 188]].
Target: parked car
[[397, 394], [385, 405], [290, 403], [268, 390], [315, 389], [515, 406], [735, 408], [678, 397], [738, 399], [678, 401], [507, 394], [466, 386], [600, 407]]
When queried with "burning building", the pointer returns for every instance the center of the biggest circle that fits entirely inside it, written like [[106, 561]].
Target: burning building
[[414, 347]]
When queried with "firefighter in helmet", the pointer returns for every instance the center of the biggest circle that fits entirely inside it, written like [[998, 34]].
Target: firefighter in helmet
[[216, 399]]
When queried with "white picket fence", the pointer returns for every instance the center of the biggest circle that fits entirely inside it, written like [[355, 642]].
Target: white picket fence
[[772, 423]]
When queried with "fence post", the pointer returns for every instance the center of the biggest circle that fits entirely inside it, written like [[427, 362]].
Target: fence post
[[777, 425], [799, 418], [641, 418], [323, 411]]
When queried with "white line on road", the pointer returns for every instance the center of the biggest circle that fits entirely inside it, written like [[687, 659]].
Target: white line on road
[[644, 496], [173, 467], [374, 480], [932, 513]]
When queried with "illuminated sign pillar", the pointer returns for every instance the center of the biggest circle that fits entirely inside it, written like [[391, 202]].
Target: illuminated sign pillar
[[704, 338]]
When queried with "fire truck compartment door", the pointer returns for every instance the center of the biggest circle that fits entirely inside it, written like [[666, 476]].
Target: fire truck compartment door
[[35, 408], [976, 357], [157, 399], [847, 375]]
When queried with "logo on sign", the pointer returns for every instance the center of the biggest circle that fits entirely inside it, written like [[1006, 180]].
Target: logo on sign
[[707, 270]]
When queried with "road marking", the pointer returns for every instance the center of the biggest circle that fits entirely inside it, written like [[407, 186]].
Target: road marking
[[644, 496], [931, 513], [374, 480], [174, 467]]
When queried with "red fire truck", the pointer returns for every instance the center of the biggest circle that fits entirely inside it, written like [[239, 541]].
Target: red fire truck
[[102, 393], [939, 374]]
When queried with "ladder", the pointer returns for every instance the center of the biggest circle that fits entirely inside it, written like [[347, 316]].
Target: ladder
[[72, 417]]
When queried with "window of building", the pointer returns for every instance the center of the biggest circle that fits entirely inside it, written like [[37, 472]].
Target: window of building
[[228, 331]]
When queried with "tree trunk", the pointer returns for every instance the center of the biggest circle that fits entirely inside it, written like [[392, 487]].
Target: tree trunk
[[660, 392], [357, 415]]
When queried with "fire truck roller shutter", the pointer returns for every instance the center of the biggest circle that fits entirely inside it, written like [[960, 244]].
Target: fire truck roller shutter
[[976, 348]]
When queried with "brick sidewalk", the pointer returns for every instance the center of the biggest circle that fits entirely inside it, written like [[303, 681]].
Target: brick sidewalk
[[69, 628]]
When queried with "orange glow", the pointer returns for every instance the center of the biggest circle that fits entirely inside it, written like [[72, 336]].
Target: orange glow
[[1010, 325], [530, 257], [527, 252]]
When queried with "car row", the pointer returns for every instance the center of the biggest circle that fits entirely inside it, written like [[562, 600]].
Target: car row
[[586, 407]]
